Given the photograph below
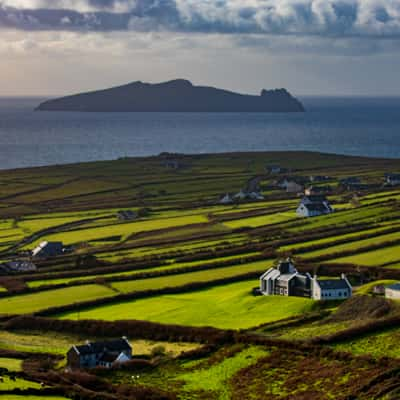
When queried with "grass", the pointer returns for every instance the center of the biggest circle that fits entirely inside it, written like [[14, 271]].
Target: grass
[[199, 276], [381, 344], [228, 306], [122, 229], [312, 330], [245, 267], [373, 258], [261, 220], [12, 364], [37, 342], [29, 303], [353, 245], [9, 384], [215, 379]]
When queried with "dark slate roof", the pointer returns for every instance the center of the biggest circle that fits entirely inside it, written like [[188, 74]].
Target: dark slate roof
[[48, 248], [284, 267], [316, 207], [333, 284], [395, 286], [127, 214], [315, 198], [116, 345]]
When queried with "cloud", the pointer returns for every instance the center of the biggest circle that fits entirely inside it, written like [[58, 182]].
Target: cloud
[[325, 18]]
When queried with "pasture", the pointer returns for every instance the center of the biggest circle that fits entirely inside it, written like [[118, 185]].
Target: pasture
[[230, 306]]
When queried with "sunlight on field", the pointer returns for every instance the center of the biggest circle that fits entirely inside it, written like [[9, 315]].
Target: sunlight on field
[[228, 306]]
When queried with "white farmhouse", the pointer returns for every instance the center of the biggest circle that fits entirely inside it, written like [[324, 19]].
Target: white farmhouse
[[285, 280], [331, 289], [392, 179], [313, 206]]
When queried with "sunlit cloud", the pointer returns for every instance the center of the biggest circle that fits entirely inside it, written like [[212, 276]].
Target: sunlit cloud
[[331, 18]]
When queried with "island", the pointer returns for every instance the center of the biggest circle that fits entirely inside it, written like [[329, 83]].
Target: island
[[178, 95]]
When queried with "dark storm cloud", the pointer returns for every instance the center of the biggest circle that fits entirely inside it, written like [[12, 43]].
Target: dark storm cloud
[[330, 18]]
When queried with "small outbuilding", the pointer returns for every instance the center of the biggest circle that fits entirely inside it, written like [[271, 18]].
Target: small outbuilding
[[392, 179], [48, 249], [127, 215], [393, 291]]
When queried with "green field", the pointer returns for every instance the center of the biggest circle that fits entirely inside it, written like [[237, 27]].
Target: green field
[[373, 258], [228, 306], [28, 303], [382, 344], [12, 364]]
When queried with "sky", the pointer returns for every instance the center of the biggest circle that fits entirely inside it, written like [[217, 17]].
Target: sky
[[311, 47]]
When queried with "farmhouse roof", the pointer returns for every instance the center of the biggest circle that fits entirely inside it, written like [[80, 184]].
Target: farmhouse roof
[[394, 286], [316, 207], [112, 346], [314, 198], [48, 247], [333, 284]]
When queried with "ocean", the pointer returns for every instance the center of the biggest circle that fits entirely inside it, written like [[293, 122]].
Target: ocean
[[356, 126]]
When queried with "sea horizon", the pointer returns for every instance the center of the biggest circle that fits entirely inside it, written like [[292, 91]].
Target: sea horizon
[[359, 126]]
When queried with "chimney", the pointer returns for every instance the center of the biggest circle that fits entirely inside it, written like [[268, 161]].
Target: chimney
[[343, 276]]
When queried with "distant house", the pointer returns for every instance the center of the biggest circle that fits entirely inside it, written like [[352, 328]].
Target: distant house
[[331, 289], [275, 169], [379, 289], [172, 164], [351, 183], [243, 195], [18, 266], [48, 249], [319, 178], [227, 199], [392, 179], [99, 354], [285, 280], [127, 215], [255, 196], [313, 206], [393, 291]]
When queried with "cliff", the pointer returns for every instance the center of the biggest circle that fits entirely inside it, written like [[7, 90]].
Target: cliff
[[173, 96]]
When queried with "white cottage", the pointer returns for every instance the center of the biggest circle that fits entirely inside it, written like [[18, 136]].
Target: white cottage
[[285, 280], [331, 289], [313, 206]]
